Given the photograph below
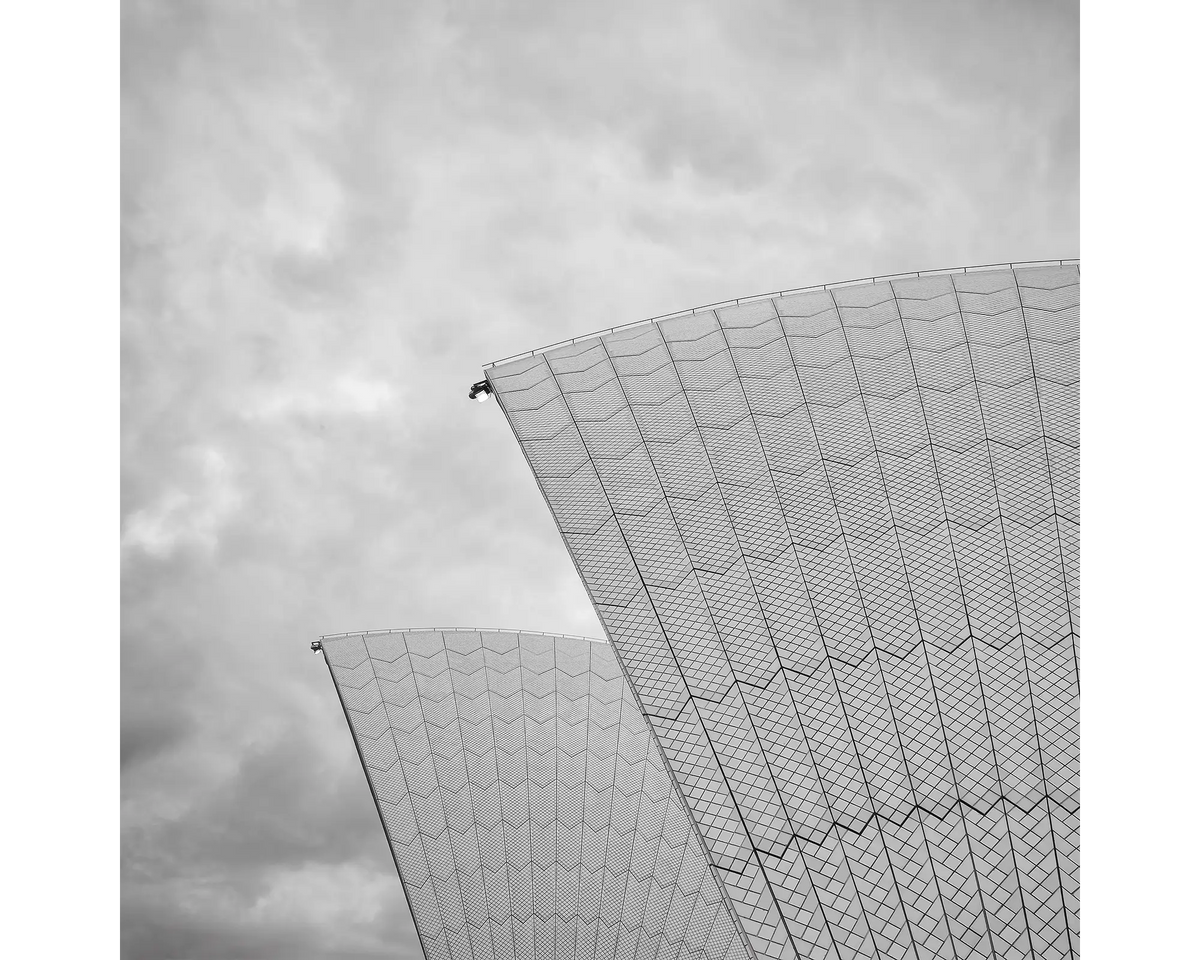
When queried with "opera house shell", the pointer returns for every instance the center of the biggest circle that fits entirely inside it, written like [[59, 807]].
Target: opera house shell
[[528, 809], [832, 536]]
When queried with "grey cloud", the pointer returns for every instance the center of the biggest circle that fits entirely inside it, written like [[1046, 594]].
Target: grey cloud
[[151, 728], [160, 924], [715, 146], [286, 805], [155, 686], [579, 71]]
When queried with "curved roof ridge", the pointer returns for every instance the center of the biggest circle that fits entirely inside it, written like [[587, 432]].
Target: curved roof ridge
[[1012, 265], [387, 630]]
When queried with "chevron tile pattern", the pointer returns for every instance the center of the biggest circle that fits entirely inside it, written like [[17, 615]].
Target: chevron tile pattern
[[833, 537], [528, 809]]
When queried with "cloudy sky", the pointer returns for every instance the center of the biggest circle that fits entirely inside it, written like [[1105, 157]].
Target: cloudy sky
[[333, 214]]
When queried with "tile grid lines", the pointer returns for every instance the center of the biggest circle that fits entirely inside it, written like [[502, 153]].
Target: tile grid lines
[[915, 808], [612, 790], [695, 901], [1050, 474], [866, 617], [1001, 802], [741, 695], [1028, 672], [375, 797], [437, 777], [587, 753], [646, 904], [967, 613], [500, 807], [471, 800], [683, 677], [1067, 596], [817, 623], [637, 818], [870, 630], [987, 445], [985, 499], [528, 780], [1053, 832], [972, 808], [1024, 655], [1027, 594], [587, 743], [557, 820], [908, 579], [636, 821], [667, 898], [783, 293], [674, 893], [767, 623], [653, 732]]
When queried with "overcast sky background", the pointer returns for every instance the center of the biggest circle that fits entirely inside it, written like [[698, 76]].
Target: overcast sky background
[[333, 214]]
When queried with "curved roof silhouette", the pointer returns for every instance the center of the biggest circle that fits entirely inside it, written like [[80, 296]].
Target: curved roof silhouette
[[528, 810], [833, 538]]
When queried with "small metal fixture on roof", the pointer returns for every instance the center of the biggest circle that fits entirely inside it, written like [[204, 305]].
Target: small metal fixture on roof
[[480, 391]]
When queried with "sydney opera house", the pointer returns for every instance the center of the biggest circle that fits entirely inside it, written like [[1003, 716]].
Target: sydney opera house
[[832, 535]]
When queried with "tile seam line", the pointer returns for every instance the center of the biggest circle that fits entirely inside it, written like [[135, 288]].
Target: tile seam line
[[458, 724], [789, 291], [612, 797], [967, 617], [440, 791], [508, 859], [385, 631], [983, 420], [1054, 835]]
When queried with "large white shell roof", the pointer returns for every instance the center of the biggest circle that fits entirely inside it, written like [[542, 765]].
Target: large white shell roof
[[833, 536]]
